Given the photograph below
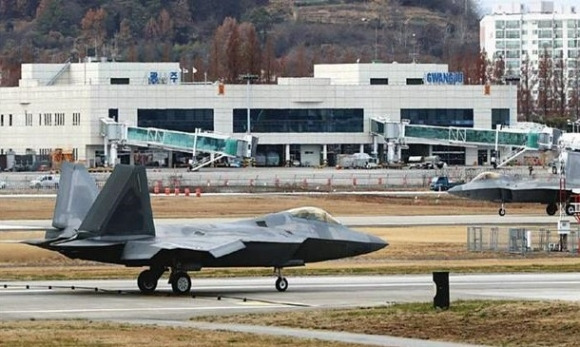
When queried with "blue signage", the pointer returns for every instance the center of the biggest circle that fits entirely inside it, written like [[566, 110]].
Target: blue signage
[[153, 77], [173, 77], [444, 78]]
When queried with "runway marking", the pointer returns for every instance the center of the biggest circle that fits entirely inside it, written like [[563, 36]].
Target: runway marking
[[144, 309]]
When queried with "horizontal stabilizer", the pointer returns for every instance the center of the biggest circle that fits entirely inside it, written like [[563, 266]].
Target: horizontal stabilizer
[[123, 207]]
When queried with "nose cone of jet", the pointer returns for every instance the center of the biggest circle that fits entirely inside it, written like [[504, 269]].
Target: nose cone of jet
[[457, 191], [376, 243]]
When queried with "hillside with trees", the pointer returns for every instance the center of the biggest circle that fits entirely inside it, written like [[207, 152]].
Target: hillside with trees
[[224, 38]]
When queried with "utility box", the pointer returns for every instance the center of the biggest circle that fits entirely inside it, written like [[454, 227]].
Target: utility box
[[563, 227], [441, 299]]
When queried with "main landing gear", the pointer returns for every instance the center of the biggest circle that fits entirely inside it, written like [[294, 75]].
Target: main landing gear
[[180, 281], [551, 209], [281, 282]]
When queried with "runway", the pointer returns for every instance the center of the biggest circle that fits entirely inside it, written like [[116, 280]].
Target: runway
[[120, 299]]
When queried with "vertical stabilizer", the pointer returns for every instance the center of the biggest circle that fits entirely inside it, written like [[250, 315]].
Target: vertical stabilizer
[[123, 207], [76, 194]]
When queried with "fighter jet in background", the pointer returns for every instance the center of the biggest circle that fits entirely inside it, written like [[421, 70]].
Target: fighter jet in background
[[493, 186], [116, 226]]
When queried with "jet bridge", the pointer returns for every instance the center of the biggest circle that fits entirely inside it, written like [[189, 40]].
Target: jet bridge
[[526, 137], [217, 145]]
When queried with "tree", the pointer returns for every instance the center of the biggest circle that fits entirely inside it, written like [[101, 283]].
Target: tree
[[498, 72], [250, 50], [53, 15], [559, 89], [181, 21], [233, 52], [544, 100], [268, 61], [93, 26], [574, 97], [525, 100], [151, 29], [165, 25]]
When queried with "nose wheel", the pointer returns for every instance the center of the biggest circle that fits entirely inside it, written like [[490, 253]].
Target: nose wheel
[[501, 210], [281, 281]]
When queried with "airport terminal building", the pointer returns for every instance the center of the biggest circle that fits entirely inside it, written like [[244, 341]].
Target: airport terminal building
[[306, 120]]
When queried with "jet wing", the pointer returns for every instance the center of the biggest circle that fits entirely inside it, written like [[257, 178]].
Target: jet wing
[[216, 246]]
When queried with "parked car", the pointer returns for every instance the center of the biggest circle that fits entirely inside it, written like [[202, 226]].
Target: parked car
[[443, 183], [45, 181]]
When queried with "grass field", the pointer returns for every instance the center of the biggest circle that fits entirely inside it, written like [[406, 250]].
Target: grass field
[[84, 333], [496, 323]]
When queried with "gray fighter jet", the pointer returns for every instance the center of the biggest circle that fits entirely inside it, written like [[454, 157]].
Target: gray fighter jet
[[116, 226], [493, 186]]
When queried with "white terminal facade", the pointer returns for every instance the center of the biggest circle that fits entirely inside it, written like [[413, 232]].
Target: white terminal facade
[[309, 120], [518, 31]]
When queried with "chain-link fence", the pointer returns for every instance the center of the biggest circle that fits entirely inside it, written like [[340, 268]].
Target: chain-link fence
[[520, 240]]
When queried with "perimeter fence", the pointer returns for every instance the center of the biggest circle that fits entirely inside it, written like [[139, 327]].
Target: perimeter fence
[[283, 179], [520, 240]]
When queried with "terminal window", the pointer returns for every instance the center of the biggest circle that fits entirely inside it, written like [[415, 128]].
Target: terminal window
[[300, 120], [446, 117], [379, 81], [186, 120], [500, 116], [119, 81]]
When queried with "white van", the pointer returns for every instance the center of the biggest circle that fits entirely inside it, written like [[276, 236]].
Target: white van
[[45, 181]]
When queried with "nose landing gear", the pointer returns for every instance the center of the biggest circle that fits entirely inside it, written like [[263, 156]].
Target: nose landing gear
[[501, 210], [281, 282]]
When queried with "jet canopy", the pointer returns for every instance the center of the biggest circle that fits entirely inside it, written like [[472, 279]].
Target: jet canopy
[[485, 176], [313, 213]]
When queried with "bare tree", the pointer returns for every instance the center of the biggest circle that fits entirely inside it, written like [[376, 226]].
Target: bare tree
[[559, 88], [525, 100], [544, 80]]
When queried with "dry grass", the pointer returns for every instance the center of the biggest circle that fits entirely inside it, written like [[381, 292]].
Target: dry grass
[[499, 323], [247, 206], [90, 333]]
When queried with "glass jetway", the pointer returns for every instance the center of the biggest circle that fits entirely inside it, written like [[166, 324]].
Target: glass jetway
[[527, 136], [217, 145]]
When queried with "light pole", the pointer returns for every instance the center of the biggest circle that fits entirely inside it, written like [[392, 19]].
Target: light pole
[[248, 78]]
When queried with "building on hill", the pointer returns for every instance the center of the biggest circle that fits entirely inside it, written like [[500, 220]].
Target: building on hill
[[305, 120]]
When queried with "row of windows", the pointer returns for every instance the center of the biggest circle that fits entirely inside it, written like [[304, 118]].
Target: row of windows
[[545, 23], [176, 119], [300, 120], [45, 119], [457, 117]]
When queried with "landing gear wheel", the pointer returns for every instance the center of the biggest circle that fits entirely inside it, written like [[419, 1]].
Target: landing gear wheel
[[147, 282], [501, 212], [281, 284], [180, 283], [551, 209], [570, 210]]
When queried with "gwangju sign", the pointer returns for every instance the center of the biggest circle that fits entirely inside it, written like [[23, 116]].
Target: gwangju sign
[[443, 78]]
